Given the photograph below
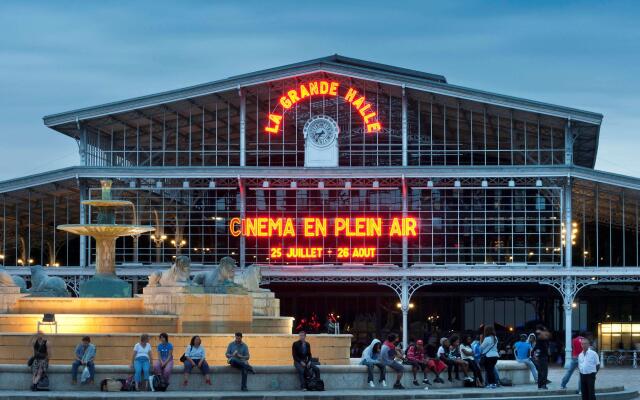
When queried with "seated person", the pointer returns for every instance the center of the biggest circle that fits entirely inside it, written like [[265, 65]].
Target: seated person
[[455, 356], [433, 362], [416, 357], [301, 352], [195, 356], [238, 357], [467, 355], [443, 356], [85, 354], [371, 358], [388, 357]]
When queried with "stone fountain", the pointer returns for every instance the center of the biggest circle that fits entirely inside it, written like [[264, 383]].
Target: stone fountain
[[105, 283]]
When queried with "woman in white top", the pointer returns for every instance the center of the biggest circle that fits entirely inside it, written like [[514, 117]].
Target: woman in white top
[[141, 359]]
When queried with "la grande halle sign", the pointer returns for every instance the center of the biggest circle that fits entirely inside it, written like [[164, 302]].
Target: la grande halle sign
[[311, 227], [323, 88]]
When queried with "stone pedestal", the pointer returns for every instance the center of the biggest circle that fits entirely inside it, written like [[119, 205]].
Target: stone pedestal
[[105, 285], [265, 304], [200, 312], [9, 295]]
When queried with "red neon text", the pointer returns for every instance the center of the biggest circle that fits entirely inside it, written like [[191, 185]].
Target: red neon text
[[320, 227], [329, 88]]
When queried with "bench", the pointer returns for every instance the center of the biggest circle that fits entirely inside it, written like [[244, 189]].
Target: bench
[[225, 378]]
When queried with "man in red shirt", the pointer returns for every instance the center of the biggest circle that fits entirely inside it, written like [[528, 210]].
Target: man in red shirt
[[576, 349]]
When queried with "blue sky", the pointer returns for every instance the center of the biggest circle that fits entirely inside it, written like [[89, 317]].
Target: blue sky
[[60, 55]]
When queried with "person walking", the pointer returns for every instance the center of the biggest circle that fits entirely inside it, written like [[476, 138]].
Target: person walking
[[238, 357], [164, 365], [523, 355], [388, 357], [541, 357], [589, 365], [371, 357], [141, 360], [195, 357], [489, 352], [85, 353], [576, 349], [302, 359]]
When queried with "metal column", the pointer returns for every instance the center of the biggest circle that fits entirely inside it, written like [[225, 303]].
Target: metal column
[[82, 146], [404, 128], [567, 299], [567, 306], [243, 136], [243, 204], [83, 220], [404, 306]]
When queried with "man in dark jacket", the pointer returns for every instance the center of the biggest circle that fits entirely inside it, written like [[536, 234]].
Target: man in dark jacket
[[301, 352]]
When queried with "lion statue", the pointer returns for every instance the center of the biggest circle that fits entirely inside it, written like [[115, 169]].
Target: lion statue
[[250, 278], [220, 279], [7, 280], [177, 275], [43, 285]]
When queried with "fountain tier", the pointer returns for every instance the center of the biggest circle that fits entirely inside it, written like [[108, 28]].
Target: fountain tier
[[105, 232]]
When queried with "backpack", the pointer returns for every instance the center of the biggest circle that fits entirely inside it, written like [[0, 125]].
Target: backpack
[[110, 385], [312, 382], [43, 383], [128, 385], [158, 383]]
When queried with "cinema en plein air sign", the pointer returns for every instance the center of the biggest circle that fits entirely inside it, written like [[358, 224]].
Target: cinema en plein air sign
[[313, 227], [311, 89]]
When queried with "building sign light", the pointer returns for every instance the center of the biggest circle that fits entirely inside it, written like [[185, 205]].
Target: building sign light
[[323, 88], [313, 227], [320, 227]]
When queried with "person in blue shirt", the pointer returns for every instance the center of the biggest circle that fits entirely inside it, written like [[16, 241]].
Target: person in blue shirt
[[522, 350], [195, 356], [371, 358], [85, 354], [164, 363]]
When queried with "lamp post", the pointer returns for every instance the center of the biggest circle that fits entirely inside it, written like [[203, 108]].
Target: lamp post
[[158, 240], [178, 244]]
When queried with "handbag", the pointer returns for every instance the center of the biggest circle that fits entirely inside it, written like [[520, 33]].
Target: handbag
[[183, 357], [483, 356], [30, 361]]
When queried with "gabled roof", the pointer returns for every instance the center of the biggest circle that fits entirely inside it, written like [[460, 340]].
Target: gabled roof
[[333, 64]]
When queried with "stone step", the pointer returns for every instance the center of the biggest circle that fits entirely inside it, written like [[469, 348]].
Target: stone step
[[224, 378], [614, 394]]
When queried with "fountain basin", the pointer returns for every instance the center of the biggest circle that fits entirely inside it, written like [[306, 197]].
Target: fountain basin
[[106, 230]]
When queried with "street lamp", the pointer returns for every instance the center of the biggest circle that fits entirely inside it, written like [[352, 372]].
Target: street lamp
[[158, 240], [178, 244]]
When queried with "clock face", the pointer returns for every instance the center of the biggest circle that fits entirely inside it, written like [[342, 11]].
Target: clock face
[[321, 130]]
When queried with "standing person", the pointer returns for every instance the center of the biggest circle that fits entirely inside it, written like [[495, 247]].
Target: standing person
[[523, 355], [40, 360], [164, 365], [85, 354], [141, 360], [301, 352], [371, 357], [388, 355], [589, 364], [541, 357], [489, 352], [416, 357], [238, 357], [466, 352], [195, 356], [576, 349]]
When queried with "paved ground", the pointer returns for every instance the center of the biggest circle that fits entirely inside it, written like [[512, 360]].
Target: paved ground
[[609, 376]]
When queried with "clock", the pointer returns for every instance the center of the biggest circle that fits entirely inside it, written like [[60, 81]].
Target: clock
[[321, 130]]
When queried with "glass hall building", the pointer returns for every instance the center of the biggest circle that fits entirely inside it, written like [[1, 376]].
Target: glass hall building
[[386, 195]]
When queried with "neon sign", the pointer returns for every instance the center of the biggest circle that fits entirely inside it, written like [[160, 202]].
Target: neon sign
[[323, 88], [264, 227]]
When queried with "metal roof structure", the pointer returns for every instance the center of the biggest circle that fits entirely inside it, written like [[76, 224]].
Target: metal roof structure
[[586, 124]]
